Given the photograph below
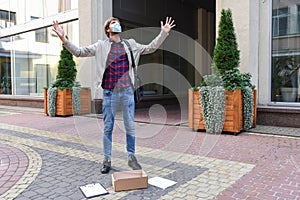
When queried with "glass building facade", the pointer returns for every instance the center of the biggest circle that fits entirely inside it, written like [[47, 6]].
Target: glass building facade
[[29, 59], [285, 82], [29, 56]]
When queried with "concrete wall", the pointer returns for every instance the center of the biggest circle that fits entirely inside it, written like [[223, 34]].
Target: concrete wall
[[92, 16], [264, 52]]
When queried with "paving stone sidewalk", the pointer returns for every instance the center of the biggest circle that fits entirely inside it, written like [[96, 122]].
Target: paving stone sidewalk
[[50, 158], [275, 130]]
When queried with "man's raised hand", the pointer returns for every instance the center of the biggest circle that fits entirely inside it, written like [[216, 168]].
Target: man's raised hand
[[168, 25], [59, 31]]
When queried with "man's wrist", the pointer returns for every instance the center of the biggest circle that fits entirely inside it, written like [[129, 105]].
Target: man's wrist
[[63, 39]]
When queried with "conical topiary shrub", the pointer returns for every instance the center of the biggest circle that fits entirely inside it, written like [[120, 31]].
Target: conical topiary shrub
[[206, 103], [65, 79], [227, 59], [66, 75], [226, 54]]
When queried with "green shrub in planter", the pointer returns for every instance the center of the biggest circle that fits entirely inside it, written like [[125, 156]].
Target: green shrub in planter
[[67, 71], [65, 79], [227, 59], [226, 53]]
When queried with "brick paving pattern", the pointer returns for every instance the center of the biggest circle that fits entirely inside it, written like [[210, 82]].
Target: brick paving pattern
[[20, 171], [13, 164], [50, 158]]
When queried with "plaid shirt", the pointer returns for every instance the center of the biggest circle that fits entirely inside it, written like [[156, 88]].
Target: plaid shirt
[[116, 74]]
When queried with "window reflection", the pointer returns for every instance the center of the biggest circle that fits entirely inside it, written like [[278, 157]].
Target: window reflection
[[5, 85], [14, 12], [285, 51], [28, 64], [7, 19], [41, 35], [28, 61]]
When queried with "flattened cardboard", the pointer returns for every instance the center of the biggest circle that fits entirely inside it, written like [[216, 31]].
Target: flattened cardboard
[[93, 190], [129, 180], [161, 182]]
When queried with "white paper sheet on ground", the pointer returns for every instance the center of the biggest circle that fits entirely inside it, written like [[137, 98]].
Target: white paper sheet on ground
[[93, 190], [161, 182]]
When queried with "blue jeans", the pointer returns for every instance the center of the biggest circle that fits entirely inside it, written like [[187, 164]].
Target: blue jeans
[[111, 100]]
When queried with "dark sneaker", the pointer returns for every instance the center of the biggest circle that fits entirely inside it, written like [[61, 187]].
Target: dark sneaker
[[105, 166], [133, 163]]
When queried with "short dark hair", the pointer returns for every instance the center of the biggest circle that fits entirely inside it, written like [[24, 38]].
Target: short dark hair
[[107, 22]]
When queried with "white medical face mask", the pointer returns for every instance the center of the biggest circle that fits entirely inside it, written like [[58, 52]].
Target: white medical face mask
[[116, 27]]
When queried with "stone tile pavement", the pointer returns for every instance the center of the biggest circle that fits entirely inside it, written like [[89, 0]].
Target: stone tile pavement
[[49, 158], [283, 131]]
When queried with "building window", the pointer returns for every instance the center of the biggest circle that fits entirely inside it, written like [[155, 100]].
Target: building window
[[41, 35], [42, 77], [298, 17], [285, 52], [5, 74], [7, 19], [280, 21], [27, 66]]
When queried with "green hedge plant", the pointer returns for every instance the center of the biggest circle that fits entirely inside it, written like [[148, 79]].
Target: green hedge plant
[[226, 54], [65, 79], [226, 60]]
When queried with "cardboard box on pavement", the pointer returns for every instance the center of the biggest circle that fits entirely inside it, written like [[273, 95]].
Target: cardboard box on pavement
[[129, 180]]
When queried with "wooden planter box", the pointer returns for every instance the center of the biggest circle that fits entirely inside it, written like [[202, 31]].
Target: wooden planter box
[[64, 105], [233, 111]]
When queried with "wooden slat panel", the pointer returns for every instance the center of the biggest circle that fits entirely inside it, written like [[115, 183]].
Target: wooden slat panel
[[64, 104], [229, 102], [229, 112], [229, 98], [233, 111], [85, 101], [254, 107], [229, 108], [64, 112], [68, 92], [234, 103], [198, 116], [197, 121], [228, 124], [238, 110], [191, 108], [229, 117], [45, 102]]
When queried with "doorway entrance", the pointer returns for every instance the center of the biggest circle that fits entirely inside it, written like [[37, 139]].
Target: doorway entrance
[[175, 60]]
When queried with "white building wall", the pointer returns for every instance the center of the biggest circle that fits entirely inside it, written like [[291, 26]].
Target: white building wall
[[264, 52], [91, 20]]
